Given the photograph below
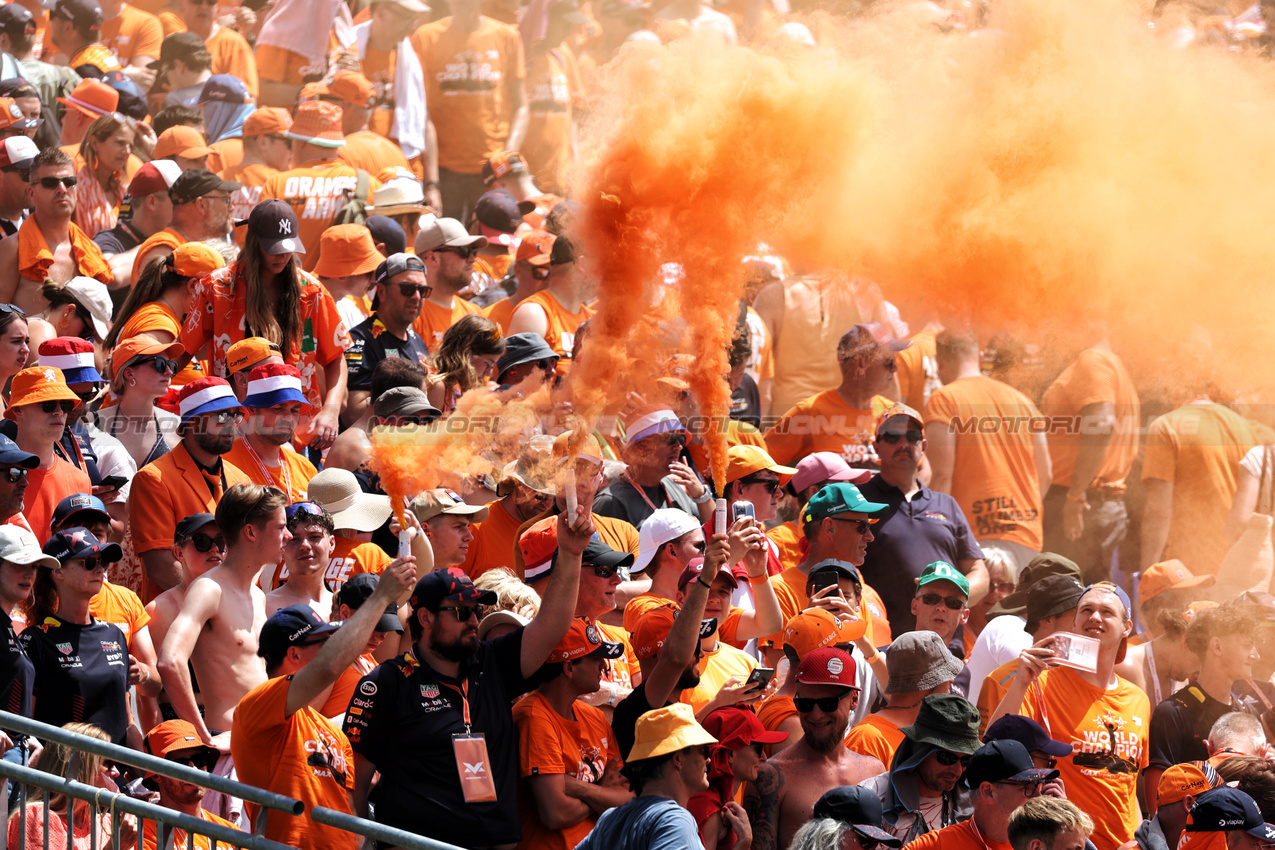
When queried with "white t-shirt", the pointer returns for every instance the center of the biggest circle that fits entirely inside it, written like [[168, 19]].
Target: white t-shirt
[[1003, 639]]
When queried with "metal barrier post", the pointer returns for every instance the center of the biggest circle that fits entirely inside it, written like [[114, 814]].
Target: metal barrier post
[[377, 831]]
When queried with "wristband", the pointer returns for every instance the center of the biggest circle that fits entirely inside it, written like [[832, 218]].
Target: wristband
[[761, 579], [699, 579], [705, 497]]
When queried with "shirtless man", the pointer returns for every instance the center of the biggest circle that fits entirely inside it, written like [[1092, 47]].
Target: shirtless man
[[306, 556], [782, 798], [194, 533], [50, 237], [223, 614]]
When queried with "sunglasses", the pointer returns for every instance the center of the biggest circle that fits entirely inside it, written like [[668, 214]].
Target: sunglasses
[[606, 572], [539, 273], [771, 484], [827, 705], [947, 759], [861, 525], [199, 761], [308, 508], [468, 253], [463, 612], [934, 599], [547, 365], [14, 474], [162, 364], [204, 543], [202, 2], [54, 406], [892, 437], [1046, 762], [54, 182], [224, 416], [10, 308], [410, 289], [93, 562]]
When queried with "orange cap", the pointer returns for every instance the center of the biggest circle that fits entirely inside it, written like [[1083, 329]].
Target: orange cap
[[1191, 778], [346, 250], [173, 735], [248, 352], [192, 259], [92, 97], [534, 247], [584, 639], [139, 346], [318, 123], [652, 630], [570, 441], [1168, 575], [351, 87], [538, 544], [181, 141], [816, 627], [267, 121], [744, 460], [311, 91], [37, 384], [1191, 611], [898, 409]]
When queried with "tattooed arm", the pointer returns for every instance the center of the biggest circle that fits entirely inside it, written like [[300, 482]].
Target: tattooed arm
[[761, 802]]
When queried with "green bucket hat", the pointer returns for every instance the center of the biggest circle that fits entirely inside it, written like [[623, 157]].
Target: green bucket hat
[[948, 722]]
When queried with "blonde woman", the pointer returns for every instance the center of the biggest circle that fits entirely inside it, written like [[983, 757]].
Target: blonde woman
[[102, 180]]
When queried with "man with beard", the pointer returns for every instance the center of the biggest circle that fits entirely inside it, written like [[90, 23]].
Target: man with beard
[[413, 717], [176, 741], [781, 799], [201, 211], [275, 406], [448, 252], [188, 480]]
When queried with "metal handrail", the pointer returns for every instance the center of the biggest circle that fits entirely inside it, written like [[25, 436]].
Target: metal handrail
[[377, 831], [153, 764], [101, 798]]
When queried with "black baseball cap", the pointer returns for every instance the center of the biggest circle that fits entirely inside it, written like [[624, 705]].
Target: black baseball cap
[[196, 183], [85, 14], [1051, 596], [563, 251], [498, 210], [1029, 733], [1227, 809], [603, 555], [179, 45], [78, 542], [449, 585], [16, 19], [1044, 564], [396, 264], [359, 589], [858, 808], [1004, 761], [275, 225], [187, 527], [295, 625]]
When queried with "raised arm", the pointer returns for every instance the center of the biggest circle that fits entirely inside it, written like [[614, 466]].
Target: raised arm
[[559, 603], [683, 638]]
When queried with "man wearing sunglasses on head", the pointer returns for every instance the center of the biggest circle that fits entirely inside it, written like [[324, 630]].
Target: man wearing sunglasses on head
[[401, 289], [920, 792], [49, 245], [40, 403], [176, 741], [558, 311], [448, 252], [780, 800], [190, 479]]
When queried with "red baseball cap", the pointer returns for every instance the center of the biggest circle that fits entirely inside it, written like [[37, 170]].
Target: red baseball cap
[[827, 665], [736, 727]]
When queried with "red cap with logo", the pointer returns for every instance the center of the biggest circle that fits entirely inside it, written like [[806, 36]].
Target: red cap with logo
[[827, 665]]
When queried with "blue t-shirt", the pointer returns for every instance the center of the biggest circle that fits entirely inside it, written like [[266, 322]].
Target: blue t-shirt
[[909, 535], [647, 823]]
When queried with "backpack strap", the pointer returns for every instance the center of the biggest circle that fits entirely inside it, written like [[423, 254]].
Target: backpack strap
[[363, 186]]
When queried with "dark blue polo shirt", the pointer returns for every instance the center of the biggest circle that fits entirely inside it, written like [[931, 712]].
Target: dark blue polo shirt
[[909, 535]]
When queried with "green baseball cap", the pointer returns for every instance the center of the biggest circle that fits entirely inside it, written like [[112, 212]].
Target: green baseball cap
[[839, 498], [943, 571]]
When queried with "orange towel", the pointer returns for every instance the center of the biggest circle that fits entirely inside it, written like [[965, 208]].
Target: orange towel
[[35, 258]]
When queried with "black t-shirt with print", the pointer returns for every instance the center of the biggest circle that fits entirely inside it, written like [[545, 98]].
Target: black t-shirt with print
[[81, 674], [17, 674], [372, 343]]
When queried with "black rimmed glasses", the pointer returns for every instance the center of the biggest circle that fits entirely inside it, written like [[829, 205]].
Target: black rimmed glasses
[[947, 759], [14, 474], [466, 253], [407, 290]]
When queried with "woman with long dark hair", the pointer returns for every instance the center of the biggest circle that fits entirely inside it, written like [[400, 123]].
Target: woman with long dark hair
[[102, 181], [265, 293]]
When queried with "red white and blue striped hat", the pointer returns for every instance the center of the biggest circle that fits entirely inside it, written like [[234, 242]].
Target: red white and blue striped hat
[[74, 356], [649, 421], [207, 395], [274, 383]]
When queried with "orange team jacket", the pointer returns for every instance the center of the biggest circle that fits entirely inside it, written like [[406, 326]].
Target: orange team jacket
[[292, 476], [133, 33], [469, 100], [434, 321], [231, 53], [253, 177], [561, 328], [165, 492], [316, 190], [994, 476]]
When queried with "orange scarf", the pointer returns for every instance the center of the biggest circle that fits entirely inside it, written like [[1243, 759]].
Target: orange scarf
[[35, 258]]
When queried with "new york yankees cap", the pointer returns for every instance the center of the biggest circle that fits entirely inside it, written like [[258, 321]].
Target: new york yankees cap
[[275, 225]]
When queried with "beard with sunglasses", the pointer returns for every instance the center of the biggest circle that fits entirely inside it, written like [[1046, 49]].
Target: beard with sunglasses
[[171, 741]]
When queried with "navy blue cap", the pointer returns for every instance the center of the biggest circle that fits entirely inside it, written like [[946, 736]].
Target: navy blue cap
[[860, 809], [224, 88], [77, 504], [295, 625], [11, 455], [1029, 733], [77, 542], [14, 19], [388, 232], [1004, 761], [498, 209], [1227, 809]]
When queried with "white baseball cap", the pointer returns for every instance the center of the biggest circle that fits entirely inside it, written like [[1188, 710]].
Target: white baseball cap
[[659, 528]]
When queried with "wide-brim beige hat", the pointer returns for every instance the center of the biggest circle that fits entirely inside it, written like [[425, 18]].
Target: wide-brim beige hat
[[338, 492]]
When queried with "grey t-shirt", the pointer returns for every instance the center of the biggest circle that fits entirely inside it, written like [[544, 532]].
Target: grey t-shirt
[[647, 823]]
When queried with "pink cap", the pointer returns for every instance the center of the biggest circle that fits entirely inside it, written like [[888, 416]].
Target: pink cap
[[821, 467]]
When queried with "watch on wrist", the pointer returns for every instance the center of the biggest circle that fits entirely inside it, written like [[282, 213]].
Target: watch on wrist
[[706, 496]]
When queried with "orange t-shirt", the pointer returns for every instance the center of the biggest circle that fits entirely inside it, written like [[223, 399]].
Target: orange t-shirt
[[302, 755], [1202, 840], [827, 423], [468, 99], [166, 238], [716, 668], [918, 370], [371, 152], [553, 86], [790, 588], [995, 686], [960, 836], [339, 697], [1097, 377], [434, 321], [182, 839], [874, 736], [994, 474], [619, 670], [1198, 447], [552, 745], [1109, 733], [787, 539], [316, 190], [229, 151], [230, 51], [500, 313], [218, 319], [639, 605], [158, 316], [133, 33], [562, 325], [120, 607], [253, 177], [489, 270], [47, 487], [776, 710], [494, 541], [292, 476]]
